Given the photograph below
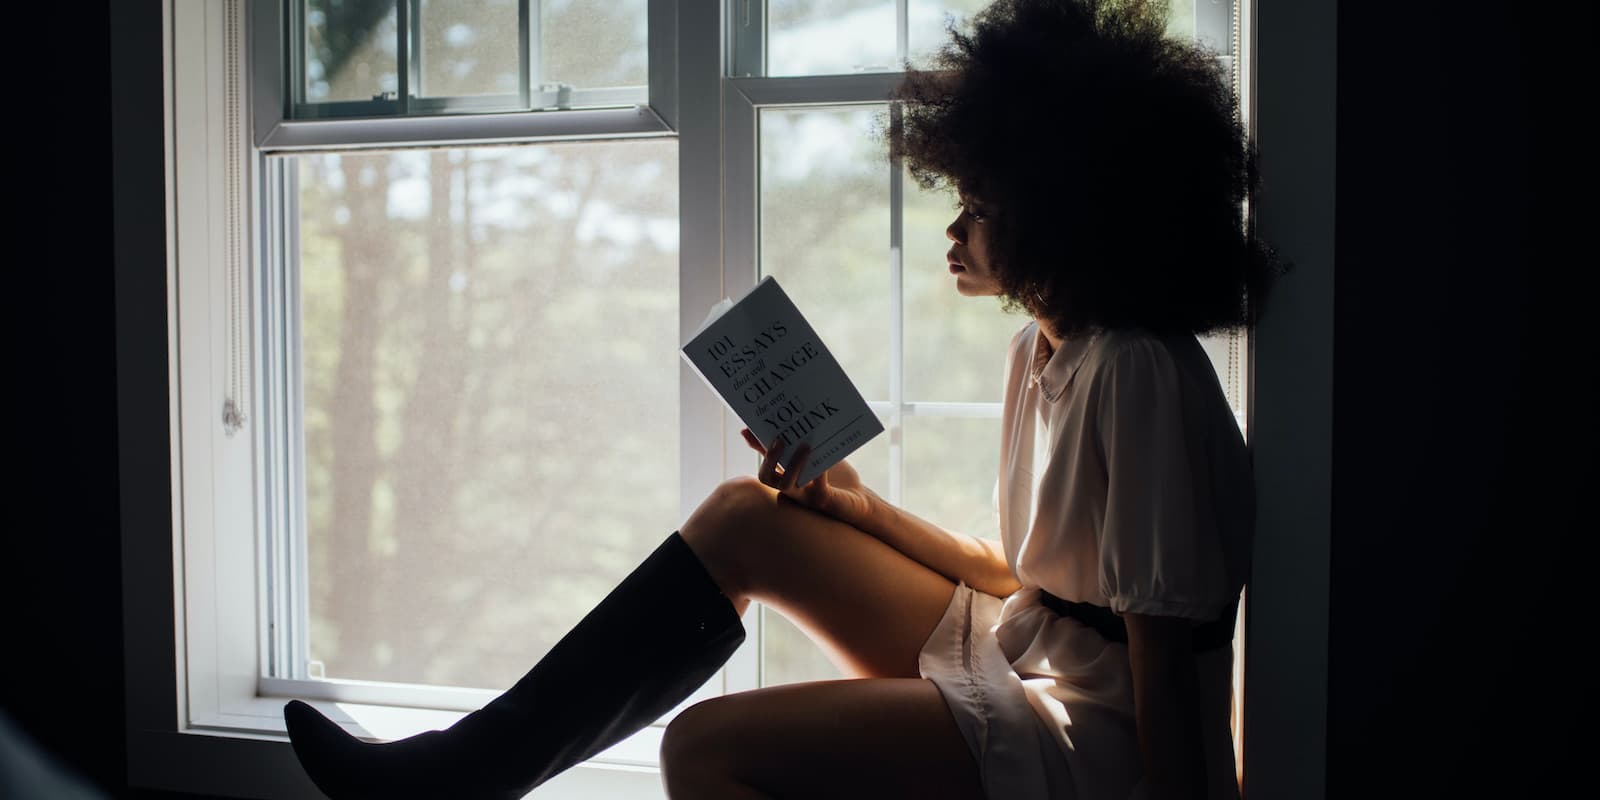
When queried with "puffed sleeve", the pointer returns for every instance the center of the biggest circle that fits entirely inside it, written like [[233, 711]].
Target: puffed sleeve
[[1160, 552]]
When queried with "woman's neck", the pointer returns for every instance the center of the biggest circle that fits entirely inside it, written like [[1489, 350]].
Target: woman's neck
[[1049, 335]]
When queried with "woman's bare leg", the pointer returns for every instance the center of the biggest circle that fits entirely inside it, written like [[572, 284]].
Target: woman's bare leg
[[879, 738], [867, 605]]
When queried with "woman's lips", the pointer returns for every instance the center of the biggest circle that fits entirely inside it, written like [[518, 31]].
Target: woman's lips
[[955, 266]]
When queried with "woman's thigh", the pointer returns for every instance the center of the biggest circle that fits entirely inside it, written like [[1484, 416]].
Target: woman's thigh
[[892, 737], [867, 605]]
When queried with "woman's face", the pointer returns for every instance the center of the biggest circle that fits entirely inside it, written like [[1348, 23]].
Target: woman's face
[[970, 257]]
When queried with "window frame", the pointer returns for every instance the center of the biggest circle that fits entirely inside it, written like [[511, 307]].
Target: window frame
[[168, 557]]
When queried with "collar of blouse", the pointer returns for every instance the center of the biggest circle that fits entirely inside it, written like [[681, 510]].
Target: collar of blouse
[[1052, 371]]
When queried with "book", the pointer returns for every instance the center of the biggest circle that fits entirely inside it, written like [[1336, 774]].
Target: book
[[760, 355]]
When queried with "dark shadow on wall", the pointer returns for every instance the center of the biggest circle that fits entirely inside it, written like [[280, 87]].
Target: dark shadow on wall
[[1454, 573]]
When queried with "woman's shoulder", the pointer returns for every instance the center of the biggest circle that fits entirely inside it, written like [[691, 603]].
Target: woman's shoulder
[[1024, 334], [1134, 348], [1021, 343]]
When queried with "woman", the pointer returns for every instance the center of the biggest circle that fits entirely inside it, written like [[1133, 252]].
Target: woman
[[1086, 656]]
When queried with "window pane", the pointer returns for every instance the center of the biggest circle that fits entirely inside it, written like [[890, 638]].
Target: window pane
[[824, 37], [951, 467], [593, 45], [955, 344], [1208, 22], [825, 231], [468, 47], [480, 471], [789, 655], [925, 24], [351, 49]]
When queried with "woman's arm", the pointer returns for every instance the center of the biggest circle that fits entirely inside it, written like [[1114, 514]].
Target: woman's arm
[[840, 494], [1166, 695], [957, 556]]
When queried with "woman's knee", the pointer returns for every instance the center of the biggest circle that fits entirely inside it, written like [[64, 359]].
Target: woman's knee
[[689, 754], [717, 530]]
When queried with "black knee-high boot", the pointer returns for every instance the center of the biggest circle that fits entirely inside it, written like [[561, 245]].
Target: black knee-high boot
[[658, 636]]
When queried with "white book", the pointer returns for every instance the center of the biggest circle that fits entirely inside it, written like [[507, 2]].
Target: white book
[[772, 370]]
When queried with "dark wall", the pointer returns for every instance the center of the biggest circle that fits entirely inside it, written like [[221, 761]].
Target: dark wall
[[1449, 670], [88, 201], [62, 678]]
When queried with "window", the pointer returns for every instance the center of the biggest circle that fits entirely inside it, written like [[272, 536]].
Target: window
[[380, 57], [404, 234]]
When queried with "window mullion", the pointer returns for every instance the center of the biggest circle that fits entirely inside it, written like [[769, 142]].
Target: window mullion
[[405, 73], [294, 16], [279, 612], [897, 360], [294, 440], [902, 26], [526, 64], [747, 38]]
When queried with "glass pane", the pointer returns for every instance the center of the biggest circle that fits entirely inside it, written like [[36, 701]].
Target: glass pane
[[925, 25], [1208, 22], [824, 217], [952, 464], [825, 37], [472, 409], [593, 45], [467, 47], [955, 344], [822, 37], [788, 654], [351, 50]]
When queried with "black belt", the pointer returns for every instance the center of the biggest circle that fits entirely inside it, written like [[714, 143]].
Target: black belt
[[1207, 636]]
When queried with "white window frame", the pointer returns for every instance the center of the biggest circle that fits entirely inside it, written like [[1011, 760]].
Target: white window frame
[[197, 719]]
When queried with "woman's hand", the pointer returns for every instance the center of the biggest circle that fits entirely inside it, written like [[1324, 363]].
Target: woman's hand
[[838, 492]]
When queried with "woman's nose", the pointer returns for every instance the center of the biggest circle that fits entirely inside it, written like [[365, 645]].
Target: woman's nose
[[954, 232]]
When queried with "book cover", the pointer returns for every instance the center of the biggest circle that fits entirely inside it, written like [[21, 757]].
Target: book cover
[[763, 359]]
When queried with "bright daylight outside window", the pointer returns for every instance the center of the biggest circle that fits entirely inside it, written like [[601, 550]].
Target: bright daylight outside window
[[478, 469]]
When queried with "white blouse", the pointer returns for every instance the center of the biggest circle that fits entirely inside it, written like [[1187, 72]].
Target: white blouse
[[1124, 482]]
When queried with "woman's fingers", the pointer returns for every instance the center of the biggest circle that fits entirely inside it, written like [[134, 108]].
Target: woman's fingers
[[750, 439], [768, 473], [769, 466], [791, 474]]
